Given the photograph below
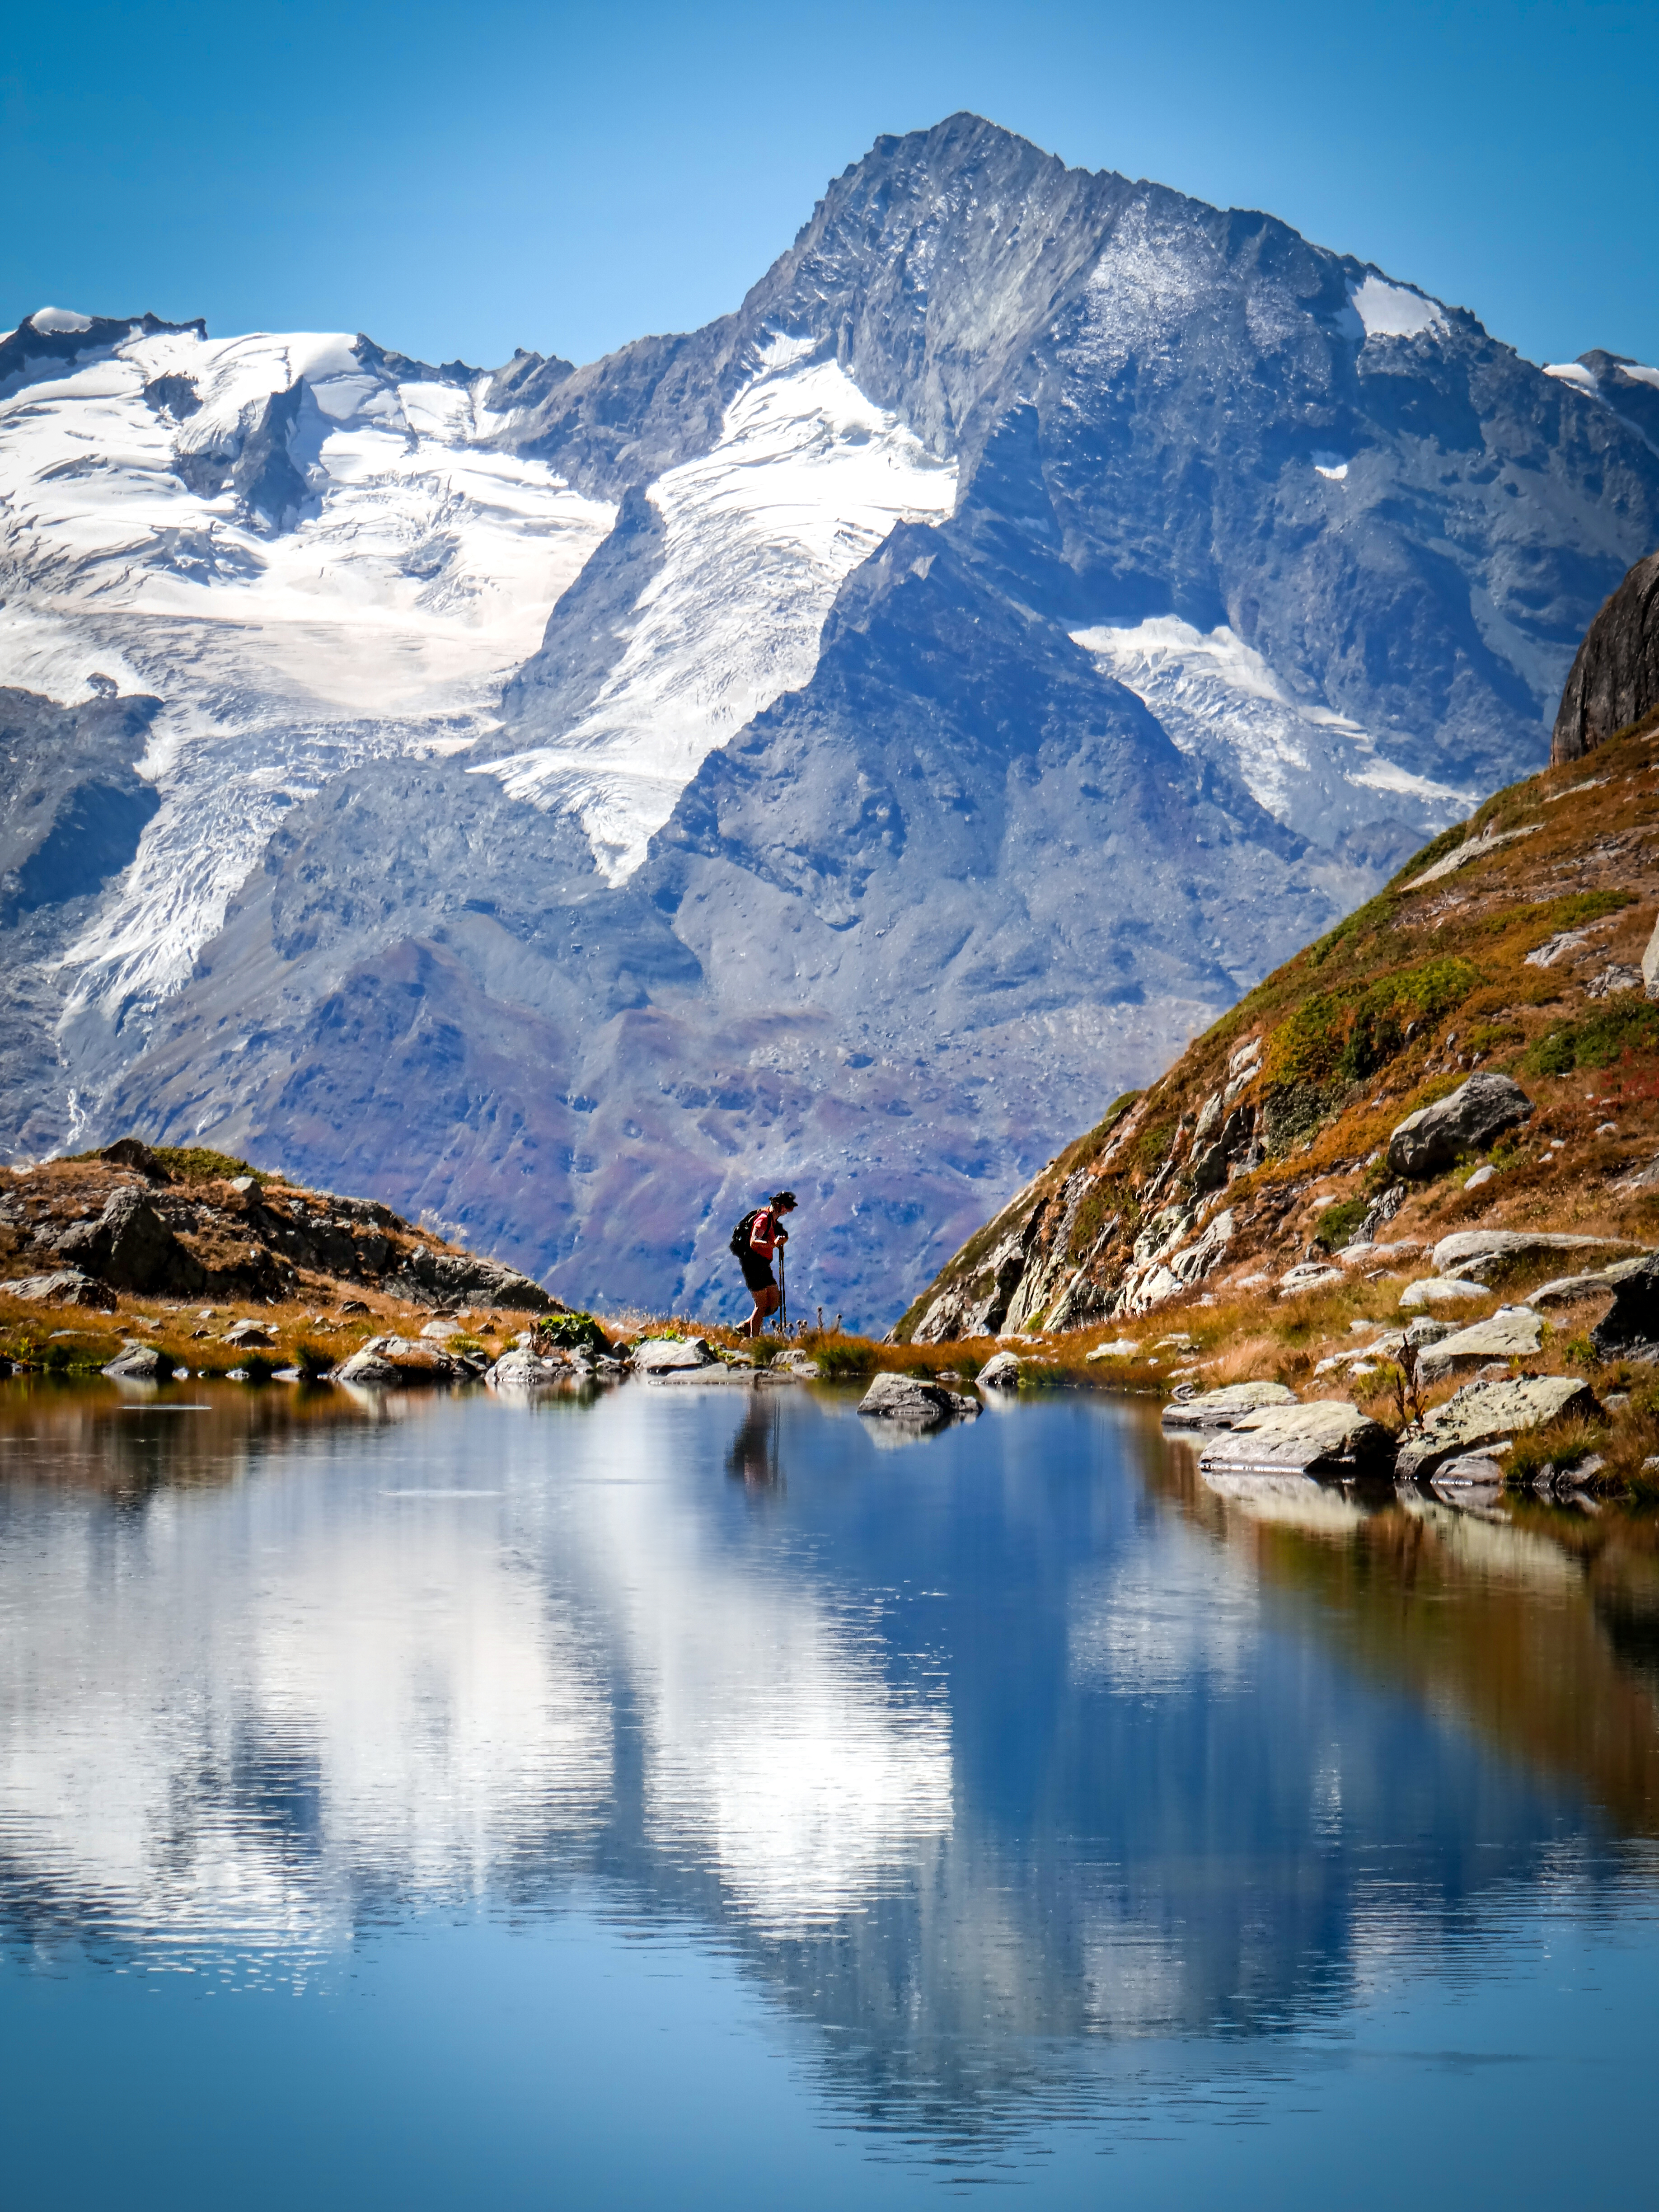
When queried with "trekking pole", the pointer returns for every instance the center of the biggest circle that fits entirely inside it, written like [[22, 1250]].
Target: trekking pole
[[783, 1293]]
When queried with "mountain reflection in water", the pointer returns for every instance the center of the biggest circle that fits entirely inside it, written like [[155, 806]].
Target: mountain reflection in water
[[977, 1755]]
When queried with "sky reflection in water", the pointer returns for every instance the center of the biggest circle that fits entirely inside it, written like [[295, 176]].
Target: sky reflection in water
[[694, 1787]]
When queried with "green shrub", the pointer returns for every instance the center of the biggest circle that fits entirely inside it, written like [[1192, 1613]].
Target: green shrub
[[1348, 1035], [845, 1362], [196, 1164], [1626, 1023], [1337, 1224], [576, 1332]]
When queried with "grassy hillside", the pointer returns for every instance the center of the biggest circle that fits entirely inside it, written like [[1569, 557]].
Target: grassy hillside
[[1514, 943]]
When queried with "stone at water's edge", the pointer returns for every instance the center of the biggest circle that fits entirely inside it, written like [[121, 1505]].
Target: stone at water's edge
[[1486, 1413], [140, 1362], [1631, 1328], [522, 1369], [1326, 1437], [661, 1355], [1477, 1111], [1512, 1333], [909, 1398], [1219, 1409], [386, 1361], [1001, 1373]]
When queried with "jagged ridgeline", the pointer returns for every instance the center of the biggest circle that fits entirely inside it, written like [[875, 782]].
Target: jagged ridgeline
[[1514, 943]]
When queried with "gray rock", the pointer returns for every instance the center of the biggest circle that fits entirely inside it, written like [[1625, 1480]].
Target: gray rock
[[909, 1399], [140, 1362], [387, 1360], [1427, 1332], [1487, 1413], [1479, 1254], [1441, 1291], [249, 1336], [1220, 1409], [1476, 1472], [1630, 1329], [1482, 1176], [131, 1246], [796, 1362], [1565, 1288], [1614, 677], [1512, 1333], [1001, 1373], [67, 1286], [1650, 965], [1310, 1275], [1121, 1347], [522, 1369], [1478, 1111], [661, 1355], [1325, 1437]]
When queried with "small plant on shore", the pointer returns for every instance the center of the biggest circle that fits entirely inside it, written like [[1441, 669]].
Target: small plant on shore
[[573, 1331]]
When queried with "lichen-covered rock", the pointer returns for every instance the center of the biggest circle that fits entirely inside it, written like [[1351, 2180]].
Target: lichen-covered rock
[[1441, 1291], [1630, 1329], [1429, 1140], [908, 1398], [1479, 1254], [385, 1361], [1487, 1412], [1512, 1333], [1325, 1437], [1220, 1409]]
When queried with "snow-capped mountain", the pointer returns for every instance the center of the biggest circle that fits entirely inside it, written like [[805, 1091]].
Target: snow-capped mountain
[[842, 744]]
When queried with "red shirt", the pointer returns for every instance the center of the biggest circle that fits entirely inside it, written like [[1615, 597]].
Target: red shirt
[[768, 1233]]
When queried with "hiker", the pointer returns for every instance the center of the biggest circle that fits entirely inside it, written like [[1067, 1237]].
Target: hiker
[[755, 1239]]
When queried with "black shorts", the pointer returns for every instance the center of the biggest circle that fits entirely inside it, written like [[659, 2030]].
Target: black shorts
[[757, 1273]]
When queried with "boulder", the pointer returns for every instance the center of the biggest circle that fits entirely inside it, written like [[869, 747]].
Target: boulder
[[133, 1152], [1123, 1347], [250, 1336], [1476, 1478], [131, 1247], [1428, 1141], [1001, 1371], [140, 1362], [1310, 1275], [1564, 1288], [68, 1286], [1220, 1409], [1479, 1254], [1630, 1330], [662, 1355], [1441, 1291], [523, 1370], [1651, 966], [429, 1278], [1427, 1332], [1512, 1333], [386, 1361], [1487, 1413], [1326, 1437], [909, 1399], [797, 1362]]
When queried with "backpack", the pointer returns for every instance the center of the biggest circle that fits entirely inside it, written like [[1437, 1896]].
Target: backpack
[[744, 1229]]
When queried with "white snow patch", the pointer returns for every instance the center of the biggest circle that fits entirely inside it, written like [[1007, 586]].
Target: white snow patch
[[1298, 759], [1642, 374], [59, 318], [1394, 311], [807, 479], [1334, 466], [421, 578], [1573, 373]]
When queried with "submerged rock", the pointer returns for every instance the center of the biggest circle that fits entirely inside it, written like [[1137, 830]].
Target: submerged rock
[[1325, 1437], [1488, 1414], [909, 1398], [1429, 1140], [1219, 1409]]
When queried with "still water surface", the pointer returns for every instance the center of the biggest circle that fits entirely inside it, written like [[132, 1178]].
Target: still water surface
[[692, 1794]]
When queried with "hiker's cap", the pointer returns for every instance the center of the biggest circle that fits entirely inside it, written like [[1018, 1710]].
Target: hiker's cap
[[784, 1198]]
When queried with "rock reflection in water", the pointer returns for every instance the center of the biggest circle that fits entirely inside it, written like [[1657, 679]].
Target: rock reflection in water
[[978, 1754]]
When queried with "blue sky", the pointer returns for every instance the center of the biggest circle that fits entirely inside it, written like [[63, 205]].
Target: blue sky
[[468, 178]]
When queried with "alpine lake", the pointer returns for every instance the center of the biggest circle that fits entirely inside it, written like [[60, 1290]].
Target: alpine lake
[[684, 1797]]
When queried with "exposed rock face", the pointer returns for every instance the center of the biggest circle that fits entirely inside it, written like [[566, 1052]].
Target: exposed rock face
[[1477, 1112], [131, 1248], [1615, 680], [1631, 1328], [1480, 1254], [1485, 1413]]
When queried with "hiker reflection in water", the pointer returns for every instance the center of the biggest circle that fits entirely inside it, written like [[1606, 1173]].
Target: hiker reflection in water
[[753, 1458], [756, 1239]]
